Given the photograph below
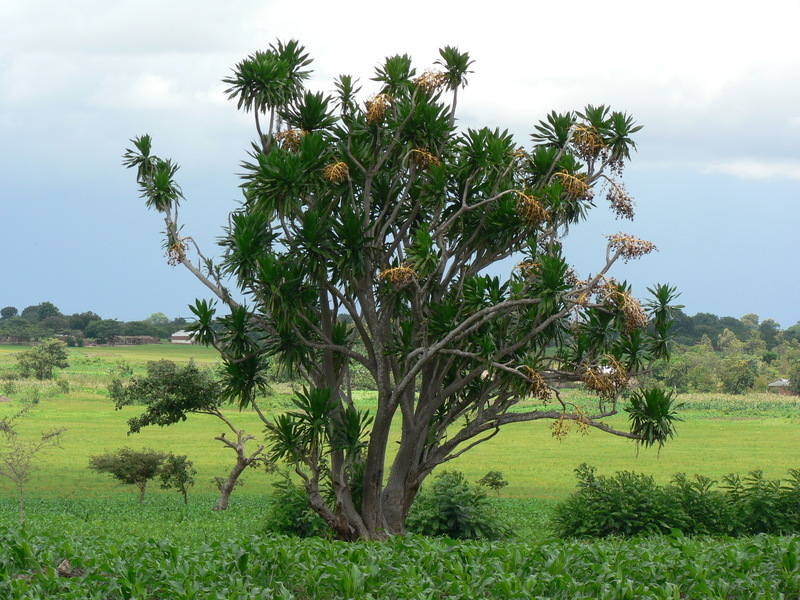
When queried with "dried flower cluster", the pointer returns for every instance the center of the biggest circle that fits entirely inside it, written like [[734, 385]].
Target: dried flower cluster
[[424, 159], [537, 386], [399, 276], [290, 139], [630, 247], [176, 252], [588, 143], [575, 185], [335, 172], [561, 426], [527, 268], [530, 209], [430, 81], [610, 293], [376, 108], [620, 200], [605, 381]]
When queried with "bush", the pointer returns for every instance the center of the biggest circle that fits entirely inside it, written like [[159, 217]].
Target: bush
[[707, 511], [289, 512], [627, 504], [630, 504], [764, 506], [454, 508]]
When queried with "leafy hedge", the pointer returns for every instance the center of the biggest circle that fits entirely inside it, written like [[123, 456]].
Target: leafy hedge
[[630, 504]]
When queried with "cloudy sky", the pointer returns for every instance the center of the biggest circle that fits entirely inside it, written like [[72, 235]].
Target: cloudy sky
[[715, 177]]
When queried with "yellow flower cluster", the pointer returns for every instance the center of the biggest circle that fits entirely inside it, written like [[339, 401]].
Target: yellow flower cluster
[[424, 159], [335, 172], [430, 81], [290, 139], [605, 381], [574, 185], [376, 108], [530, 209], [399, 276]]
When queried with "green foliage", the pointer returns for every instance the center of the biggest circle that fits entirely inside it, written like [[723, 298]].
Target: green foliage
[[454, 508], [131, 467], [177, 472], [8, 311], [40, 360], [170, 392], [493, 480], [707, 511], [208, 561], [633, 504], [738, 375], [652, 413], [765, 506], [288, 511], [794, 376], [627, 504]]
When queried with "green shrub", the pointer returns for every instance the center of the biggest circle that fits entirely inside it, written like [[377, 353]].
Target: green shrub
[[765, 506], [627, 504], [289, 512], [630, 504], [454, 508], [9, 387], [707, 511]]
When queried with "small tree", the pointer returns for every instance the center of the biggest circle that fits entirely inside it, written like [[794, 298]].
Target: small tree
[[170, 393], [18, 455], [738, 374], [177, 472], [40, 361], [131, 467], [8, 312], [493, 480]]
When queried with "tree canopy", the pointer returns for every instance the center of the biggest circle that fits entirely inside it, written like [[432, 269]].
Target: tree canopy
[[372, 234]]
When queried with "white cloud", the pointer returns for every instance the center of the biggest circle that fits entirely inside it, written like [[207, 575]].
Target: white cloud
[[758, 169]]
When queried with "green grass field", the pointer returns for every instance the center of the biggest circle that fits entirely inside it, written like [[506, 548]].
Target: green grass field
[[720, 434]]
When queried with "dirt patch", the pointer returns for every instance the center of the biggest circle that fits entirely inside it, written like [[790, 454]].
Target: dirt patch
[[4, 399]]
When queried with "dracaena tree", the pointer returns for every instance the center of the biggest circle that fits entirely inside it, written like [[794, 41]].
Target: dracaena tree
[[370, 234]]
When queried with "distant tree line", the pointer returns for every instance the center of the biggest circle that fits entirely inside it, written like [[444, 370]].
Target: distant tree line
[[45, 320], [689, 331], [734, 356]]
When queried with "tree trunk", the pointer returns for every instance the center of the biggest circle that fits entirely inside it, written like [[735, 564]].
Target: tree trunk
[[142, 488], [226, 488], [21, 506]]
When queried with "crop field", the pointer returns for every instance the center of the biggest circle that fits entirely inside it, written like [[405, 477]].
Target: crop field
[[118, 549]]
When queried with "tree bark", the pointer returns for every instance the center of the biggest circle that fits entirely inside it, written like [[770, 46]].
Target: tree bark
[[226, 488]]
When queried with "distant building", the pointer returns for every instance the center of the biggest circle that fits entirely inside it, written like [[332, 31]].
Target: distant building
[[781, 386], [182, 337], [15, 339], [132, 340]]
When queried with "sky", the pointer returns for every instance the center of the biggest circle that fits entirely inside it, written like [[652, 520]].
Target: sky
[[715, 177]]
